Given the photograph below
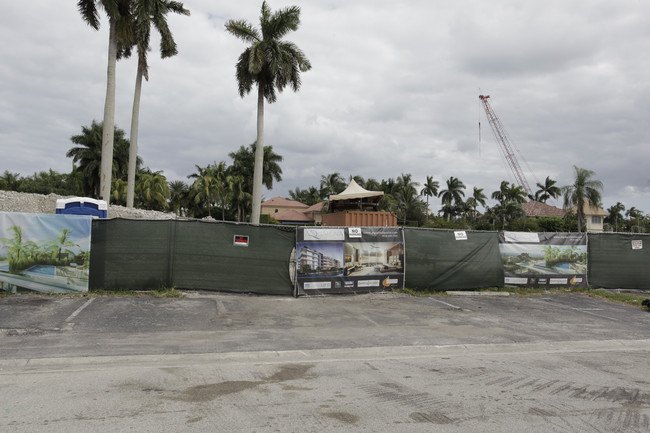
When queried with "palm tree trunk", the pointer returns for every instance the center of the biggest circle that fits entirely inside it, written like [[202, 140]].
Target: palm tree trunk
[[106, 170], [133, 147], [259, 157]]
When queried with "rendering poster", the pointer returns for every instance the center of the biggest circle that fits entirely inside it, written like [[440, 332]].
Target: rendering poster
[[44, 252], [349, 260], [544, 259]]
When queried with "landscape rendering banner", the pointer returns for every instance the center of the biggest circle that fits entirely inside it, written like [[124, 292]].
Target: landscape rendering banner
[[44, 252], [544, 259], [333, 260]]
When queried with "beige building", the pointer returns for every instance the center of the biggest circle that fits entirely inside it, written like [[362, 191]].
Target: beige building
[[291, 211], [594, 217], [279, 205]]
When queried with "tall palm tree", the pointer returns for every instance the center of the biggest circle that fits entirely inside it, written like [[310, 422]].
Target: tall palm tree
[[584, 190], [454, 192], [118, 13], [477, 198], [430, 189], [547, 190], [271, 63], [145, 13]]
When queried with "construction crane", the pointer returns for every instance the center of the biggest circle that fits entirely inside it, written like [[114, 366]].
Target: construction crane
[[506, 147]]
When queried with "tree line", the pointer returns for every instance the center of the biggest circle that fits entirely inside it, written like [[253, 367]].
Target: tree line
[[224, 191], [218, 189]]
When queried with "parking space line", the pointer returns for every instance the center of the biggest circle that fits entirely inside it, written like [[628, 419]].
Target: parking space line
[[455, 307], [78, 310]]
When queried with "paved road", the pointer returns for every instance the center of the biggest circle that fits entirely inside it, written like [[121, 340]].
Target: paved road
[[383, 362]]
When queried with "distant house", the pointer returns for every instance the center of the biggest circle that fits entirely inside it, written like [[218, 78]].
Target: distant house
[[537, 209], [594, 216], [315, 212], [291, 211]]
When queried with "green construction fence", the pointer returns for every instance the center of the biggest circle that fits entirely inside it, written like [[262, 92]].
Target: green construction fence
[[619, 260], [438, 259], [193, 254]]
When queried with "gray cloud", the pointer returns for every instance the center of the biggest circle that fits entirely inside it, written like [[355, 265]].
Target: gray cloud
[[394, 89]]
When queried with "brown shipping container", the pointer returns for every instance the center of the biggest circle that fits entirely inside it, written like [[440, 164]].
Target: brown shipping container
[[355, 218]]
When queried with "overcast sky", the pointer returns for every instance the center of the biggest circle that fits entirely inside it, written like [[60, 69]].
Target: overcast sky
[[393, 89]]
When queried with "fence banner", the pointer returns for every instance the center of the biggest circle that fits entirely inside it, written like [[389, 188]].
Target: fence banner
[[349, 259], [44, 252], [544, 259]]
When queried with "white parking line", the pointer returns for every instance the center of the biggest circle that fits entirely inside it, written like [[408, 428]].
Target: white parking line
[[78, 310], [455, 307]]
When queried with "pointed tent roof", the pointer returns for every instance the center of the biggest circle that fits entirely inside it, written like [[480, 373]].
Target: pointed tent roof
[[355, 191]]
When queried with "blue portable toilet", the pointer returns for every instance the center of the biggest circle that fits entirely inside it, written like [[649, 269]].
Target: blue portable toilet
[[82, 206]]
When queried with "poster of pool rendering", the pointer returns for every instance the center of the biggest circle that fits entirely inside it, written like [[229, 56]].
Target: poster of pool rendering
[[349, 259], [44, 252], [544, 259]]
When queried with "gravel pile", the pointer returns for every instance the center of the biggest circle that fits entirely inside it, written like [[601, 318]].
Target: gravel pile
[[11, 201]]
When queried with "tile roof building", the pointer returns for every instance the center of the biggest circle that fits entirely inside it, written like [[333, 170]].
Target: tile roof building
[[537, 209]]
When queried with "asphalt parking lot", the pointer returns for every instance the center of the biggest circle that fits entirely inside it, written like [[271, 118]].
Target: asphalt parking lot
[[378, 362]]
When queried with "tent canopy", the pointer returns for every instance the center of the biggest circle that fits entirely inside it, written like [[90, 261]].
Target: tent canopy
[[354, 191]]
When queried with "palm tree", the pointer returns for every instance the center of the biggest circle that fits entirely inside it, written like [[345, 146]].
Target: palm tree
[[372, 184], [430, 189], [10, 181], [178, 196], [146, 13], [477, 198], [547, 190], [454, 192], [14, 245], [153, 190], [243, 165], [584, 190], [635, 215], [61, 244], [331, 184], [87, 156], [270, 63], [515, 194], [204, 186], [615, 214], [407, 199], [118, 12], [238, 193]]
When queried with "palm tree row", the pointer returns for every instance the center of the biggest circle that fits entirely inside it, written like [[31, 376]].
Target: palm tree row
[[130, 24]]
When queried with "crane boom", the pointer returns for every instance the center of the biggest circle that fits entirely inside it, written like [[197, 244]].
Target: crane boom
[[504, 142]]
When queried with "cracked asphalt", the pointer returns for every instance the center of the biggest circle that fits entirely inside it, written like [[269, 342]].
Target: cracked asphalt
[[377, 362]]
